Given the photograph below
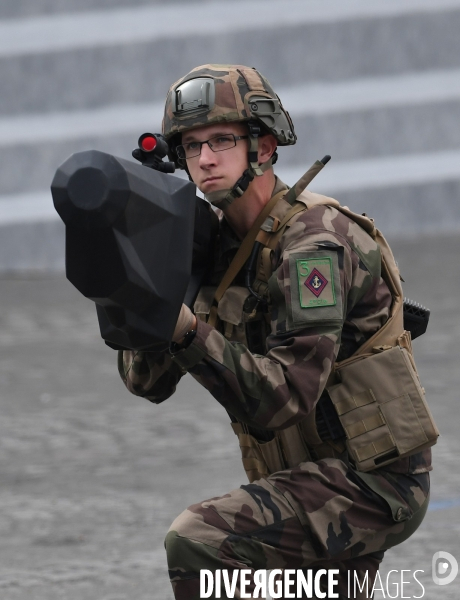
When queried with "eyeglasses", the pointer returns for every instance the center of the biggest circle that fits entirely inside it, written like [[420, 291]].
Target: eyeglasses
[[217, 144]]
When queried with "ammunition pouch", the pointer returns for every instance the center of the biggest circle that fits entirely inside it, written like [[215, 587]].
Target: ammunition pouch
[[377, 413], [382, 408]]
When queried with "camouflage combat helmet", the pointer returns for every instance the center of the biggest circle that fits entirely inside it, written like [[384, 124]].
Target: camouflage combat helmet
[[227, 93]]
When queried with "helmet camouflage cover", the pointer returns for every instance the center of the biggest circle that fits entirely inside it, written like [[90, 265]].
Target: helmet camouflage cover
[[223, 93]]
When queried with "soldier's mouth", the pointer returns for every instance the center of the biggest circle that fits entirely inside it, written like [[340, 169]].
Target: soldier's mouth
[[210, 179]]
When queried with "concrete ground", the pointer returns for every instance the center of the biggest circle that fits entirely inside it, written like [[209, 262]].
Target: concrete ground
[[91, 477]]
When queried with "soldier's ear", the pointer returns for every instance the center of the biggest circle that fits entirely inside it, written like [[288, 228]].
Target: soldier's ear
[[267, 147]]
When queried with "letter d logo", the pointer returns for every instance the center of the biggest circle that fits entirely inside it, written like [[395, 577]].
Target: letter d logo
[[440, 566]]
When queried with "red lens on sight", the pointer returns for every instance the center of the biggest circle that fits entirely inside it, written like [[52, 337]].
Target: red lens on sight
[[148, 143]]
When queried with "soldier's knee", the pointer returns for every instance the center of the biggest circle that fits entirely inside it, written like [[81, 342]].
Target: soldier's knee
[[189, 556], [177, 541], [185, 524], [173, 545]]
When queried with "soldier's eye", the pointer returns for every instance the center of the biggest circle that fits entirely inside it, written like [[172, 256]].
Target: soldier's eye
[[192, 146], [224, 139]]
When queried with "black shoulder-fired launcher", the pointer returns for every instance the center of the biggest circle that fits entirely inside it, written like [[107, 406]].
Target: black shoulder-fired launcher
[[138, 241]]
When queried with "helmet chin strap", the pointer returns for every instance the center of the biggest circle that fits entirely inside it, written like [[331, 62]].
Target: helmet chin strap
[[223, 198]]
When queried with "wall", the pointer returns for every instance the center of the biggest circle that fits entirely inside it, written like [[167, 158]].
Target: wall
[[375, 84]]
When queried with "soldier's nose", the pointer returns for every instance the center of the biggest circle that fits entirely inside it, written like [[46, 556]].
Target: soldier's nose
[[207, 156]]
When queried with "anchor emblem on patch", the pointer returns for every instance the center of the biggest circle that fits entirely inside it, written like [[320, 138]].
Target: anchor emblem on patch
[[316, 282]]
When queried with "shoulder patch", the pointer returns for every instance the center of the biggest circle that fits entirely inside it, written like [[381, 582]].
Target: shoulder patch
[[315, 290], [316, 282]]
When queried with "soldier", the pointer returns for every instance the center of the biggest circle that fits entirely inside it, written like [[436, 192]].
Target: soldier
[[266, 341]]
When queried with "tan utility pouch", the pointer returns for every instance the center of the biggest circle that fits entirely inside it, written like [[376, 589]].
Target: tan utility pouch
[[259, 459], [382, 408]]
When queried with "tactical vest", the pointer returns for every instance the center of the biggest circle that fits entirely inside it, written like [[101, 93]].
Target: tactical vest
[[376, 393]]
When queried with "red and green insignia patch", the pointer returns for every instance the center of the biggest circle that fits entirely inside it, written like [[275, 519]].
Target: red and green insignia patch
[[313, 282], [316, 282]]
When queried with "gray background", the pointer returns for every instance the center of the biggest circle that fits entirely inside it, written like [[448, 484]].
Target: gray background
[[374, 83], [91, 476]]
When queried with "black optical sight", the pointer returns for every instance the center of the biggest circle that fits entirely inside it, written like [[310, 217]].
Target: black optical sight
[[152, 148]]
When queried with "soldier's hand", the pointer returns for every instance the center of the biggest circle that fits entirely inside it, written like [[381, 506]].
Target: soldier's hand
[[185, 322]]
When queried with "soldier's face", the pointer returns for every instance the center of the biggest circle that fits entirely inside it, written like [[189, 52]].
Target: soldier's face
[[213, 171]]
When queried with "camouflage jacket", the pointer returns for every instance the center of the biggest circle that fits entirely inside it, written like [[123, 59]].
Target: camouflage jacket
[[326, 298]]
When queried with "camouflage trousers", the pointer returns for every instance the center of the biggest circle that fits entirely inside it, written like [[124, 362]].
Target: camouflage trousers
[[317, 515]]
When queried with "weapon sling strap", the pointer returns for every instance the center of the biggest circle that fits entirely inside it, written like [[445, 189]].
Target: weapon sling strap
[[242, 255]]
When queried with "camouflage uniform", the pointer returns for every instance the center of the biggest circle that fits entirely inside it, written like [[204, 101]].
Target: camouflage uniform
[[320, 513]]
